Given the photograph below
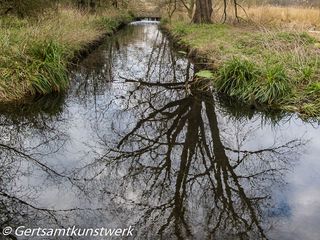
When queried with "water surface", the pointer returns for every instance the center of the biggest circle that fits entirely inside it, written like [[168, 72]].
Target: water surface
[[136, 142]]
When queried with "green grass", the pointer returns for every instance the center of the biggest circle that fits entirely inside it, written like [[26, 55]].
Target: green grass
[[242, 79], [235, 78], [48, 67], [277, 68], [35, 54]]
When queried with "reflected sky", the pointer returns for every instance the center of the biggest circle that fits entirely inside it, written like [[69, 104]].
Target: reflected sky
[[137, 141]]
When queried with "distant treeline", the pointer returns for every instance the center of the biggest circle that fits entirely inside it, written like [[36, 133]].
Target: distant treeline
[[24, 8], [311, 3]]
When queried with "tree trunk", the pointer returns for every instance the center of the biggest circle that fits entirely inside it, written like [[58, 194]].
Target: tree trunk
[[203, 11]]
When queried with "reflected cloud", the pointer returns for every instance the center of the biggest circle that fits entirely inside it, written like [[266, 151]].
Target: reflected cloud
[[137, 141]]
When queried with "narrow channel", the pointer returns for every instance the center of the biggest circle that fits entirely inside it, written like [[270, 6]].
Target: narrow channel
[[135, 143]]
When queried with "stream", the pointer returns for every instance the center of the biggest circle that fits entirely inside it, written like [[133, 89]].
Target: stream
[[136, 142]]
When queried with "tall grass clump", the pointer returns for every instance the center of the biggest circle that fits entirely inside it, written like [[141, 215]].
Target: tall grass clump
[[236, 78], [242, 79], [48, 66], [275, 87]]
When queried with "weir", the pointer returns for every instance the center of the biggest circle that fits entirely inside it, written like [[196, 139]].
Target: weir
[[148, 18]]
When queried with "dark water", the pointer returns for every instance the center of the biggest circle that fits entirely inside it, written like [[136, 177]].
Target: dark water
[[135, 143]]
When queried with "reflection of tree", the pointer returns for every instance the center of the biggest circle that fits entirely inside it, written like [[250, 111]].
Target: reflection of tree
[[32, 132], [168, 160], [194, 182], [239, 110], [193, 179], [29, 132], [136, 52], [31, 136], [19, 204]]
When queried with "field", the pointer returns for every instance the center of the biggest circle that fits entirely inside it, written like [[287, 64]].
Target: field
[[298, 18]]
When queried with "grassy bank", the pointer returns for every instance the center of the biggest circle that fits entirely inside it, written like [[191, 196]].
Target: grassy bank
[[278, 68], [35, 54]]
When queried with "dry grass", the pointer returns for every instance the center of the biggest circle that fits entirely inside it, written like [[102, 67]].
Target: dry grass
[[67, 26], [292, 17]]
